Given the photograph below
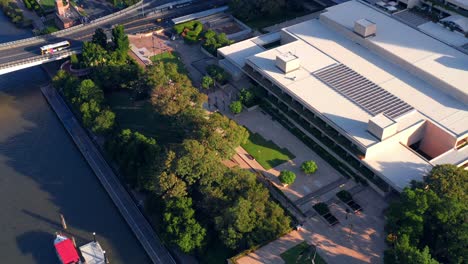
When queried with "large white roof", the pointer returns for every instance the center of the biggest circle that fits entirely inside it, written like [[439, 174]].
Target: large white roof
[[321, 45], [407, 44]]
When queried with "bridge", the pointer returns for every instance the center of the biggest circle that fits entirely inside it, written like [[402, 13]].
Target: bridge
[[25, 53]]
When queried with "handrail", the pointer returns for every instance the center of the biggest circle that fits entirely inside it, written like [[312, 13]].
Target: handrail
[[40, 58]]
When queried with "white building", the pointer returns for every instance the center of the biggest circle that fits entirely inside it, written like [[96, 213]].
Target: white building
[[391, 97]]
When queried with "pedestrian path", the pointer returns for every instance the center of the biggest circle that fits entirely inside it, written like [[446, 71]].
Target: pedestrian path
[[121, 198]]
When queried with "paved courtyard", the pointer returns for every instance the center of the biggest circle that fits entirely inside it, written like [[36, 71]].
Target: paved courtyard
[[258, 122]]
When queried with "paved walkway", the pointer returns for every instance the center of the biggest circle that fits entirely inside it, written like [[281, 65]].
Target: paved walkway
[[357, 239], [122, 200]]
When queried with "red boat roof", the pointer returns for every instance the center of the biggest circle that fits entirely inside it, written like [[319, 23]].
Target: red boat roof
[[67, 252]]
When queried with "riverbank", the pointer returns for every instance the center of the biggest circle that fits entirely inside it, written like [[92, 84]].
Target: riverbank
[[122, 200]]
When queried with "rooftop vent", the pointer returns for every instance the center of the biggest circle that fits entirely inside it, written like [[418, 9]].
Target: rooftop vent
[[287, 62], [382, 126], [365, 28]]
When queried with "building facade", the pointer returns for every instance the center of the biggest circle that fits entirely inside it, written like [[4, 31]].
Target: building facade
[[388, 99]]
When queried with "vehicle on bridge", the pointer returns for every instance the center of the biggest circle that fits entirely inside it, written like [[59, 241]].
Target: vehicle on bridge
[[51, 48]]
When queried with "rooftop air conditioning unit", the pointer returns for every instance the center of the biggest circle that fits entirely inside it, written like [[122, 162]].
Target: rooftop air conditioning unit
[[365, 28], [288, 62]]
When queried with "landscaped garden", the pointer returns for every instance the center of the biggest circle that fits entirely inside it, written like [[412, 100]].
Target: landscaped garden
[[302, 254], [170, 57], [267, 153]]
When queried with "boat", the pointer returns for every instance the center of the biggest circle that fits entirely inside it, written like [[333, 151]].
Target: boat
[[65, 249]]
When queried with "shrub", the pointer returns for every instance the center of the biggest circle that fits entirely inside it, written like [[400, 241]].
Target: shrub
[[247, 97], [218, 73], [287, 177], [236, 107], [309, 167], [74, 61], [344, 196], [207, 82], [321, 208], [192, 30]]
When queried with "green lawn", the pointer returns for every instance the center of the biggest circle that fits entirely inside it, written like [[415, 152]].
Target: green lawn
[[47, 4], [267, 153], [140, 116], [301, 254], [170, 56]]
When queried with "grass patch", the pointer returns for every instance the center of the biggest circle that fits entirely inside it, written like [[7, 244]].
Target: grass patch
[[267, 153], [301, 254], [140, 116], [266, 21], [170, 56], [47, 4]]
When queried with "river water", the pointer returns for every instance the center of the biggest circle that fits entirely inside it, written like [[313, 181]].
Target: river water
[[43, 175]]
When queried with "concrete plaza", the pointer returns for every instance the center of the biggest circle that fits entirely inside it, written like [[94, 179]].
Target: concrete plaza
[[359, 238]]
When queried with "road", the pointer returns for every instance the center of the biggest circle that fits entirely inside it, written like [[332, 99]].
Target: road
[[127, 207], [133, 22]]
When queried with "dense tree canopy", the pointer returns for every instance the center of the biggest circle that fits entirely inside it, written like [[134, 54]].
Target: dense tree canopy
[[182, 229], [94, 55], [431, 214], [172, 92], [136, 155], [121, 42]]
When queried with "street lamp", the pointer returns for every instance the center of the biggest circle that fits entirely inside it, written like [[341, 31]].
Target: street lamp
[[315, 253]]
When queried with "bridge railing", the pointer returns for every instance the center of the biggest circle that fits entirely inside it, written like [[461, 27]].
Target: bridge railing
[[59, 54], [59, 33]]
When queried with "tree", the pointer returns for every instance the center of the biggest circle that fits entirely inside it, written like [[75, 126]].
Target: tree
[[65, 83], [103, 122], [100, 38], [93, 55], [221, 134], [172, 92], [87, 91], [247, 97], [207, 82], [121, 42], [287, 177], [136, 155], [89, 111], [432, 214], [449, 181], [182, 229], [404, 253], [309, 167], [236, 107], [74, 61], [243, 213], [171, 186]]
